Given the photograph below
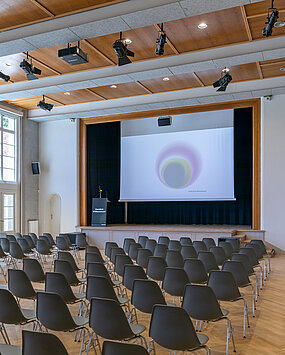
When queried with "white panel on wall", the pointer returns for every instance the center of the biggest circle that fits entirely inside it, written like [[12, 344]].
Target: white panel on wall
[[58, 142]]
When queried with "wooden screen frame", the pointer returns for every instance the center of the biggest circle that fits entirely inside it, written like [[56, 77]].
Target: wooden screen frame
[[256, 142]]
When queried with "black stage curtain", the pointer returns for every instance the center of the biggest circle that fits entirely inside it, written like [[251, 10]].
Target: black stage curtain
[[103, 168]]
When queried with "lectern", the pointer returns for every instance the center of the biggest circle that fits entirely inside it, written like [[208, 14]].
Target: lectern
[[99, 212]]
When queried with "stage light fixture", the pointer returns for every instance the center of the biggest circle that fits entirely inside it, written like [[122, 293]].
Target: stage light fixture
[[29, 69], [73, 55], [120, 48], [161, 41], [271, 20], [222, 83], [44, 105], [5, 77]]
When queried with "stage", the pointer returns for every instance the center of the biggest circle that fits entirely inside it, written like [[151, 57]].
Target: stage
[[117, 232]]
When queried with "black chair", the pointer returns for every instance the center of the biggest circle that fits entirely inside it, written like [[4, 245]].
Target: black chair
[[163, 240], [53, 314], [142, 240], [131, 273], [38, 343], [44, 237], [226, 289], [250, 252], [199, 246], [143, 256], [120, 261], [219, 255], [65, 255], [108, 247], [20, 285], [114, 252], [195, 271], [80, 241], [30, 241], [174, 282], [172, 328], [228, 249], [24, 245], [33, 270], [160, 250], [133, 251], [50, 239], [16, 253], [11, 238], [262, 247], [201, 304], [64, 267], [174, 245], [188, 251], [235, 243], [116, 348], [184, 241], [5, 244], [156, 268], [174, 258], [99, 269], [209, 260], [93, 249], [150, 245], [43, 250], [126, 244], [209, 242], [34, 237], [62, 244], [93, 258]]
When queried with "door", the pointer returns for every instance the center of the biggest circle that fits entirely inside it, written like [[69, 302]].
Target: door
[[54, 211]]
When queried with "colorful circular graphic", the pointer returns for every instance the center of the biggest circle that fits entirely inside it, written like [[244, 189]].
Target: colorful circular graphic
[[178, 165]]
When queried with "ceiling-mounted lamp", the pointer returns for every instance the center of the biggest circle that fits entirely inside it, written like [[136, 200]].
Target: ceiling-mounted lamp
[[29, 69], [120, 48], [224, 81], [271, 20], [44, 105], [161, 41]]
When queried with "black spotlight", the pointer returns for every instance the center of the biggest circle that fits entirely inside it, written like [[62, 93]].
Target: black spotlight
[[161, 40], [4, 77], [29, 69], [120, 47], [222, 83], [44, 105], [271, 20]]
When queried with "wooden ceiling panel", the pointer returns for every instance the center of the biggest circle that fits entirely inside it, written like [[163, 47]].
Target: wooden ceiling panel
[[260, 8], [122, 90], [75, 97], [272, 68], [176, 82], [224, 27], [258, 23], [30, 103]]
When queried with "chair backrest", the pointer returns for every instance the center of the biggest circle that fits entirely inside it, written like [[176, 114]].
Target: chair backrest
[[93, 249], [174, 245], [2, 254], [57, 283], [163, 240], [44, 237], [98, 286], [260, 243], [29, 240], [146, 293], [5, 244], [238, 270], [65, 255], [98, 269], [143, 255], [133, 250], [244, 259], [185, 241], [251, 254], [120, 261], [11, 238], [224, 285], [131, 273], [174, 258], [53, 312], [34, 237], [199, 246], [16, 251], [17, 235], [219, 254], [150, 245], [235, 243], [156, 268], [175, 280], [80, 240], [108, 247], [160, 250], [126, 244], [208, 260], [195, 271], [108, 320], [42, 247], [142, 240], [115, 251], [228, 249], [116, 348], [61, 243], [172, 328], [209, 242], [188, 251], [257, 249], [24, 245], [20, 285], [35, 343], [10, 312], [93, 258], [64, 267], [66, 237], [50, 239], [34, 270]]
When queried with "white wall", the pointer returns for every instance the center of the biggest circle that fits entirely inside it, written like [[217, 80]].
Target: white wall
[[58, 156], [273, 170]]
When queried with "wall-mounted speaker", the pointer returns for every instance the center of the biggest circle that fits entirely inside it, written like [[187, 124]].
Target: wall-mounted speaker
[[36, 168], [164, 121]]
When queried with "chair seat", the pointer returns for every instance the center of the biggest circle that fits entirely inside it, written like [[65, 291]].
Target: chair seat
[[10, 349], [225, 312], [137, 329], [123, 300], [116, 282], [80, 321], [79, 295], [202, 338], [4, 287], [28, 313]]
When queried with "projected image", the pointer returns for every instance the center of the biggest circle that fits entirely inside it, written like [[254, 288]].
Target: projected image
[[178, 165]]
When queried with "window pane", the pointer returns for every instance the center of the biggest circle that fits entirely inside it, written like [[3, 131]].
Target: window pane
[[8, 225], [8, 175], [8, 212], [8, 162], [8, 200], [8, 150], [9, 123], [8, 138]]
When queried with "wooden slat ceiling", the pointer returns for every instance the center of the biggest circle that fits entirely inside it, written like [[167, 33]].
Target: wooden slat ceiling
[[251, 71]]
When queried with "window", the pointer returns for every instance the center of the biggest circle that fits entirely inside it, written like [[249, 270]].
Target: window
[[9, 212], [8, 149]]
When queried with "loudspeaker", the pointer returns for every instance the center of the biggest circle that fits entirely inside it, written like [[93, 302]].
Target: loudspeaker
[[36, 168], [164, 121]]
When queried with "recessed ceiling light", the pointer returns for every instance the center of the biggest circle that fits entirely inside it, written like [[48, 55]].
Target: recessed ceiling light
[[67, 93], [128, 41], [8, 64], [202, 26], [282, 68], [113, 86], [166, 79]]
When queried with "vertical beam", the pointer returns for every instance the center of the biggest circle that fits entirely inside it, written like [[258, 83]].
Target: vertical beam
[[82, 173], [259, 69], [246, 23], [43, 8]]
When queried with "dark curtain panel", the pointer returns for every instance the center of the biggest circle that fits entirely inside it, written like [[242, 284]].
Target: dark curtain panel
[[103, 168]]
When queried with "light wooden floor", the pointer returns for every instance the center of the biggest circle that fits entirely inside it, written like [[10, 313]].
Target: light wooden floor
[[266, 336]]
